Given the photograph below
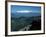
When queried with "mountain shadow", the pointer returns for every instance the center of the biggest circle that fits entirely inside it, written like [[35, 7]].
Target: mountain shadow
[[36, 25]]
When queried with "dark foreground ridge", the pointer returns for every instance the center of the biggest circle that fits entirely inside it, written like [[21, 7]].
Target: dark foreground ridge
[[26, 23]]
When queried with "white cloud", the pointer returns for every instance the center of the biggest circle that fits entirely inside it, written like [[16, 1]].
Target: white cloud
[[24, 11]]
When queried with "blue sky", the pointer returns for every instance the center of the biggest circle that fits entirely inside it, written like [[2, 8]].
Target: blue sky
[[25, 9]]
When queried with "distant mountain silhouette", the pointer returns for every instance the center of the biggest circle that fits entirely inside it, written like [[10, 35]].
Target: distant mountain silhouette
[[25, 14]]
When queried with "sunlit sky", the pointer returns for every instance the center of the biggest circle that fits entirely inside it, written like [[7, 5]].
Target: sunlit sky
[[25, 9]]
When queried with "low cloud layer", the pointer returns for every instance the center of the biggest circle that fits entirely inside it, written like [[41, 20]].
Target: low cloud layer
[[25, 11]]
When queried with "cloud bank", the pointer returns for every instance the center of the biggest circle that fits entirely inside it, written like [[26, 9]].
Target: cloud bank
[[24, 11]]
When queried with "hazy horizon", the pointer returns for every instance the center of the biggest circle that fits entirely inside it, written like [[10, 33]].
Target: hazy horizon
[[17, 10]]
